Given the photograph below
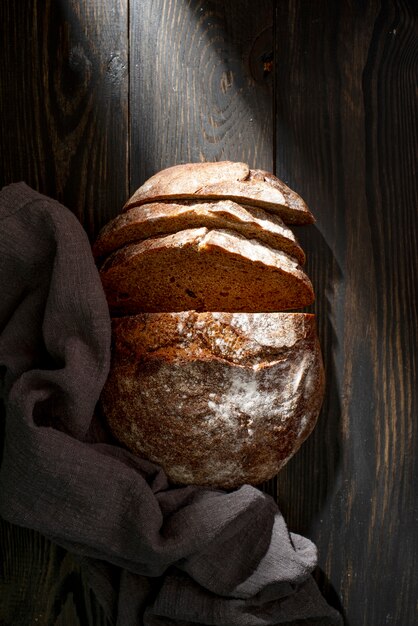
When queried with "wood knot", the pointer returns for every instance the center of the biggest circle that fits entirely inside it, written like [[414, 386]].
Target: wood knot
[[261, 58], [227, 80], [117, 68], [267, 60]]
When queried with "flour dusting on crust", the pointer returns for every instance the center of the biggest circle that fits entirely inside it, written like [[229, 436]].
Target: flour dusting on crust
[[219, 399]]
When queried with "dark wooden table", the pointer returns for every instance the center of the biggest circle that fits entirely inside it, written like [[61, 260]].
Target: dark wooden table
[[98, 95]]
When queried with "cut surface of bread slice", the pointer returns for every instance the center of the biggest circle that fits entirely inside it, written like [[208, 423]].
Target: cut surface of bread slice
[[224, 180], [205, 270], [217, 399], [160, 218]]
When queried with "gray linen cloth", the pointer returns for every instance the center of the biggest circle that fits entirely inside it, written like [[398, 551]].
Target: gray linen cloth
[[155, 554]]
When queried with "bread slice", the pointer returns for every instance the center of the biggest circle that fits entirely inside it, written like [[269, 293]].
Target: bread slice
[[158, 218], [224, 180], [205, 270], [218, 399], [293, 200]]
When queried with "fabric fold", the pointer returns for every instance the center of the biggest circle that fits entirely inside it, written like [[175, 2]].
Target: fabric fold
[[182, 555]]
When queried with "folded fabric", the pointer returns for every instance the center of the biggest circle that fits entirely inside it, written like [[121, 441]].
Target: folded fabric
[[154, 553]]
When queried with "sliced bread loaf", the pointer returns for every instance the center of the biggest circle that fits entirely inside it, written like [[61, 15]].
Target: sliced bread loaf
[[224, 180], [160, 218], [205, 270], [217, 399]]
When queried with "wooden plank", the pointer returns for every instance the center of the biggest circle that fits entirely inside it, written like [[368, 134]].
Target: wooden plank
[[346, 140], [41, 583], [64, 130], [192, 94], [64, 102]]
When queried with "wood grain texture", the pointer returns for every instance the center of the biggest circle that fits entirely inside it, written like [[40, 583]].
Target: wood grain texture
[[192, 94], [346, 140], [64, 130], [64, 103], [86, 118], [41, 584]]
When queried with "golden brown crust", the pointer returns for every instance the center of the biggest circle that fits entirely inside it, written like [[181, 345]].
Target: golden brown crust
[[161, 218], [206, 270], [224, 180], [217, 399], [292, 198]]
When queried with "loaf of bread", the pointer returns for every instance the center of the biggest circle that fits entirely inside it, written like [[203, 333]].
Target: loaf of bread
[[162, 218], [204, 270], [224, 180], [210, 376], [217, 399]]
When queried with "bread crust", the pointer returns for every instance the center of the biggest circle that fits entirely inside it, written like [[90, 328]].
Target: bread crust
[[224, 180], [162, 218], [205, 270], [218, 399]]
